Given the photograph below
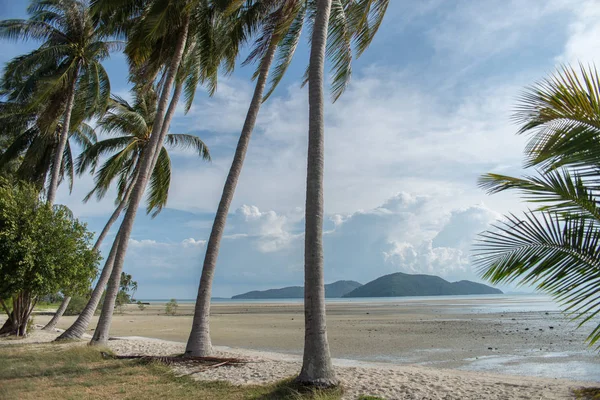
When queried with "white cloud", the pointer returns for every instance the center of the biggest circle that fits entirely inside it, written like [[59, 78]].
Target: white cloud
[[583, 43], [409, 233]]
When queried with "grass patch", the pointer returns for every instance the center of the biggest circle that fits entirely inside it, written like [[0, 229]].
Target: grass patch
[[587, 393], [57, 371]]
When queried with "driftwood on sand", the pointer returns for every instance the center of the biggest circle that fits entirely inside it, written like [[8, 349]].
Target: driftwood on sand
[[207, 362]]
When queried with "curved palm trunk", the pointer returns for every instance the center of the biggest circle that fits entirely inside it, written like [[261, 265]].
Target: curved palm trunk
[[167, 122], [95, 298], [102, 330], [58, 314], [199, 343], [62, 142], [78, 328], [317, 369]]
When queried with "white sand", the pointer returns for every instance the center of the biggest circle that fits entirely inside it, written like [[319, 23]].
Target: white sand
[[358, 378]]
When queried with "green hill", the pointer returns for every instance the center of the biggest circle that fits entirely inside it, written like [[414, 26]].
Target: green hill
[[335, 289], [400, 284]]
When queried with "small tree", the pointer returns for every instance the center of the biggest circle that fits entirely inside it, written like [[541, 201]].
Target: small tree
[[171, 307], [141, 305], [126, 285], [42, 250]]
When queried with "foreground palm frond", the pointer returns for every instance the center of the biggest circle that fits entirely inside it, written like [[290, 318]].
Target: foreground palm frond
[[558, 256], [562, 114], [555, 247]]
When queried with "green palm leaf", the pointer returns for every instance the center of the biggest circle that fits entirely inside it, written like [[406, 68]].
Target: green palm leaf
[[557, 255], [186, 141], [566, 193], [160, 182]]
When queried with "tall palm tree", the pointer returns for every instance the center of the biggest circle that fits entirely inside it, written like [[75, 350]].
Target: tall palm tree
[[316, 363], [134, 123], [554, 246], [68, 62], [281, 23], [180, 25], [365, 17]]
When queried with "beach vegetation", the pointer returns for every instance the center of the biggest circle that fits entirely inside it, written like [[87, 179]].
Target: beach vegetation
[[171, 307], [42, 250], [55, 371], [76, 304]]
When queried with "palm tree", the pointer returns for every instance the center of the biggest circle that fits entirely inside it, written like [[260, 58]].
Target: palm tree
[[281, 23], [158, 20], [135, 122], [365, 17], [32, 139], [67, 64], [316, 364], [185, 27], [554, 246], [284, 23]]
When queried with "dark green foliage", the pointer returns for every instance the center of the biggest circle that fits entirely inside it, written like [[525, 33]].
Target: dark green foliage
[[76, 305], [42, 250], [400, 284]]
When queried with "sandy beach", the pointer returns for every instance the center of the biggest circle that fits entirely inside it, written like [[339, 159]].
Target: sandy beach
[[392, 382], [478, 334]]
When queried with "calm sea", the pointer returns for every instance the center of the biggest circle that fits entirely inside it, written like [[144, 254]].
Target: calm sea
[[472, 303]]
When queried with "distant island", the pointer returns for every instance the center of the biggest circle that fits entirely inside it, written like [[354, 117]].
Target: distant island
[[393, 285], [332, 290], [400, 284]]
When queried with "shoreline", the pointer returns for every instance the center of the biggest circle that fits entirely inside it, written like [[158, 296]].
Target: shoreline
[[463, 334], [357, 378]]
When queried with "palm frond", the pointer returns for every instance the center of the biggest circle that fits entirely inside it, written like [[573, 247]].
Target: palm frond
[[562, 115], [557, 255], [186, 141], [160, 181], [565, 193]]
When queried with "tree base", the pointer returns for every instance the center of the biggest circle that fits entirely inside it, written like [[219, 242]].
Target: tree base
[[320, 383], [66, 335], [203, 352]]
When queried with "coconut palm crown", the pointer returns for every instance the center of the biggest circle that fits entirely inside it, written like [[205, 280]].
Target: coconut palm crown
[[131, 125], [64, 71]]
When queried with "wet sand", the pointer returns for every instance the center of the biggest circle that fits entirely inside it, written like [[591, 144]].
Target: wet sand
[[472, 334]]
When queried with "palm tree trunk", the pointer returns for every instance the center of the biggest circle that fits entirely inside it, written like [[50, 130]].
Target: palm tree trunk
[[58, 314], [199, 343], [78, 328], [147, 158], [317, 369], [93, 302], [62, 142], [166, 124]]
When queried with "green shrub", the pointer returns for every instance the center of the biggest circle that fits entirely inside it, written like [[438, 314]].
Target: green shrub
[[76, 305], [141, 305], [171, 307]]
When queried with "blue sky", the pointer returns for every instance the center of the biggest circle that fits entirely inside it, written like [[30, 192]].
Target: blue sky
[[427, 112]]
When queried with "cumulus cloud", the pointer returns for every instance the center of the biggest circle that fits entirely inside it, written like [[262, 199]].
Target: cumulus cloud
[[406, 233], [583, 43]]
